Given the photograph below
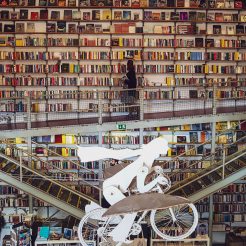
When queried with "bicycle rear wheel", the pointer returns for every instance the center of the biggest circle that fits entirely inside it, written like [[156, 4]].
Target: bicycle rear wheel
[[185, 222]]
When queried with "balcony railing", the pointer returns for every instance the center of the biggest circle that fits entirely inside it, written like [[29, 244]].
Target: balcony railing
[[47, 109]]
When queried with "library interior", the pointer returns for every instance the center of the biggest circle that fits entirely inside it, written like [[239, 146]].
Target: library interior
[[135, 135]]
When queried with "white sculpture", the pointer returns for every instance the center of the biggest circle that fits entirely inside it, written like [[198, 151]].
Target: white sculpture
[[118, 223]]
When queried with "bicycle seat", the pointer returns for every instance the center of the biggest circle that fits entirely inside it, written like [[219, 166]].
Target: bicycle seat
[[145, 201]]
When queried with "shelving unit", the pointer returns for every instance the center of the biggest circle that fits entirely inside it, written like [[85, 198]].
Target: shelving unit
[[203, 241]]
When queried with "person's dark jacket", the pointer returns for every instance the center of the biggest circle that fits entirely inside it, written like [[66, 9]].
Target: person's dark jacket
[[131, 81]]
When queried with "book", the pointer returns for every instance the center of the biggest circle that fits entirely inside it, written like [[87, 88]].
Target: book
[[193, 137], [30, 27], [68, 14], [181, 139], [90, 28], [61, 26], [62, 3], [23, 14], [199, 42], [13, 2], [153, 3], [180, 3], [20, 27], [55, 15], [51, 27], [193, 93], [43, 2], [86, 15], [219, 16], [211, 4], [126, 15], [209, 42], [71, 3], [194, 3], [98, 28], [216, 29], [65, 67], [117, 15], [76, 15], [31, 2], [72, 28], [227, 17], [14, 15], [34, 15], [125, 3], [43, 14], [23, 3], [200, 16], [156, 16], [183, 16], [106, 14], [84, 3], [68, 233], [9, 28], [81, 28], [239, 29], [135, 3], [55, 233], [4, 14], [220, 4], [52, 3], [210, 17], [230, 30], [96, 14]]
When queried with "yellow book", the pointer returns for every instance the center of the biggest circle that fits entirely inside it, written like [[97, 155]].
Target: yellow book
[[64, 151], [236, 56], [222, 43], [71, 68], [19, 42], [206, 69], [106, 14], [186, 127], [214, 69], [64, 139], [169, 152], [121, 42], [19, 140], [2, 41]]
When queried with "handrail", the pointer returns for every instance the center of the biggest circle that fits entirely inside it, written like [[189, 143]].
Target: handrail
[[196, 176], [82, 195], [207, 142], [39, 159]]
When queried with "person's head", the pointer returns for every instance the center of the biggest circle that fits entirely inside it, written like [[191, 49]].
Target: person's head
[[130, 65], [155, 148]]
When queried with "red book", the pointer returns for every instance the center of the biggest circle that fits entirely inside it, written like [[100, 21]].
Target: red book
[[34, 15]]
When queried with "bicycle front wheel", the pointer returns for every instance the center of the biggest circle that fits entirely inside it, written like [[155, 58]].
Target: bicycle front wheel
[[175, 223]]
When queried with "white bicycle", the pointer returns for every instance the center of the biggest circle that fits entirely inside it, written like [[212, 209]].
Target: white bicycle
[[171, 217]]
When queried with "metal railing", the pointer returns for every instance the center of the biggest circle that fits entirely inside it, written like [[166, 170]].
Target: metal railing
[[63, 108]]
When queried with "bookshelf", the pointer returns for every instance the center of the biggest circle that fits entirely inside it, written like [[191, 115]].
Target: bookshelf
[[189, 46]]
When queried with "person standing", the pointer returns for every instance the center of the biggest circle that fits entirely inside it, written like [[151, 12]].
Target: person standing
[[131, 82]]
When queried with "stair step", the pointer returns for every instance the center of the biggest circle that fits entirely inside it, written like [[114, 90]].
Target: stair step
[[44, 185], [64, 195], [188, 189], [54, 190], [214, 176], [74, 199], [197, 185], [8, 167], [82, 203], [206, 180], [179, 193], [35, 181]]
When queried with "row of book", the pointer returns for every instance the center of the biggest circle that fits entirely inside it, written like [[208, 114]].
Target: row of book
[[88, 139], [18, 202], [230, 197], [107, 81], [148, 95], [120, 55], [116, 15], [13, 107], [127, 139], [219, 4], [185, 164], [235, 188], [120, 28], [229, 218], [230, 208], [54, 107], [122, 42]]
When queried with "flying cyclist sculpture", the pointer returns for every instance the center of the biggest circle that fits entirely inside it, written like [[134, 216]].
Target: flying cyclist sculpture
[[171, 217]]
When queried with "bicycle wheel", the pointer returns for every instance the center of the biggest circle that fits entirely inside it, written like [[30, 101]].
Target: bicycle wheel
[[93, 227], [185, 222]]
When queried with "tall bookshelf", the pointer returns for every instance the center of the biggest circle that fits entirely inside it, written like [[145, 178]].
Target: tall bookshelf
[[185, 48]]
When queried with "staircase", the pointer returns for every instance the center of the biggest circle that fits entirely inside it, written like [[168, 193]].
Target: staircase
[[39, 184], [209, 180]]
